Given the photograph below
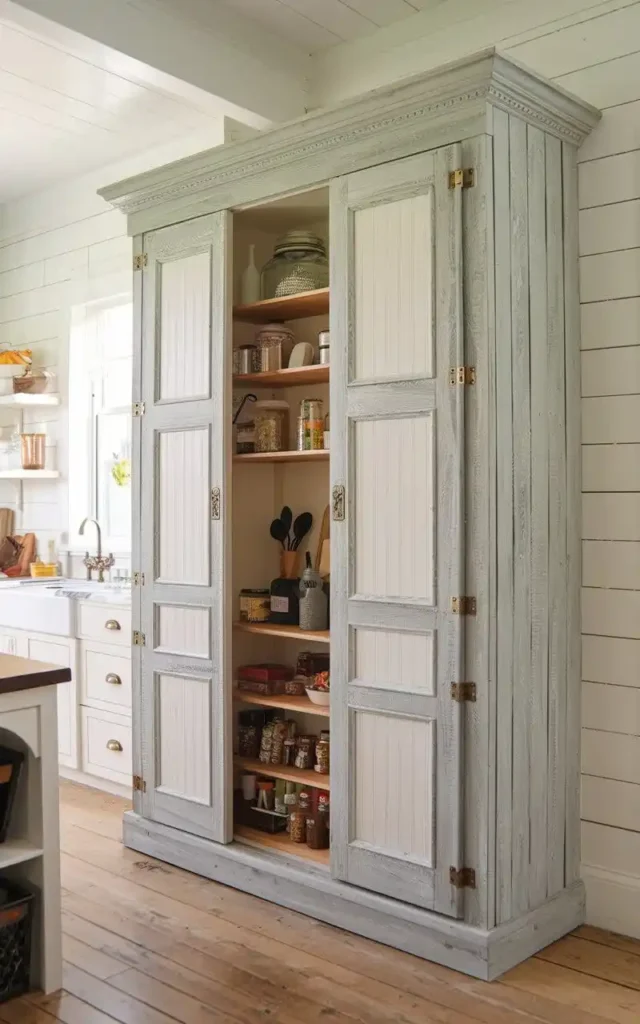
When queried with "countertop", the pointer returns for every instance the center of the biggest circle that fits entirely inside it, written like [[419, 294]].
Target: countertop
[[25, 674]]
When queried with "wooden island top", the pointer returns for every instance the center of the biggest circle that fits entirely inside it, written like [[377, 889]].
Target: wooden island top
[[24, 674]]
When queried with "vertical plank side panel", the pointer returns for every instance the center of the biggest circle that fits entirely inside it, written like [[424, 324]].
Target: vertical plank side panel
[[450, 566], [342, 737], [539, 516], [137, 515], [504, 514], [557, 522], [522, 513], [221, 476], [480, 567], [573, 511]]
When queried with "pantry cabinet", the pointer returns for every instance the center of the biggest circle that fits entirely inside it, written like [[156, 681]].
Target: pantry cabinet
[[452, 494]]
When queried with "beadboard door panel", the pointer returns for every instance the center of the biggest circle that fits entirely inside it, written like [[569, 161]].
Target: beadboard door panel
[[184, 602], [397, 556]]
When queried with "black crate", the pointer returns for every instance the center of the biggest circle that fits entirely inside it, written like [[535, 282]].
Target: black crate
[[16, 921], [10, 768]]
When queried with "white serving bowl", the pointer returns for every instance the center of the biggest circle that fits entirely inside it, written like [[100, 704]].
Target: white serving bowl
[[321, 697]]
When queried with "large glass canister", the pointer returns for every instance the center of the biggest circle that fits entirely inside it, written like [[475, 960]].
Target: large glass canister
[[272, 426], [299, 264]]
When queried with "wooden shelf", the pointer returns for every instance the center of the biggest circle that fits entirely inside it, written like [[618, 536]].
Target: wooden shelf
[[301, 776], [289, 378], [319, 455], [279, 842], [281, 700], [288, 632], [292, 307]]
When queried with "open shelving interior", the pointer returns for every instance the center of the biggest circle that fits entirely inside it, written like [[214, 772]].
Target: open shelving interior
[[265, 482]]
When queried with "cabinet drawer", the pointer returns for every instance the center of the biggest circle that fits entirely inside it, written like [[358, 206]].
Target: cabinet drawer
[[105, 677], [106, 745], [110, 624]]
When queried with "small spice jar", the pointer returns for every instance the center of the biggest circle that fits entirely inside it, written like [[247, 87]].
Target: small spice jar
[[266, 794], [289, 752], [272, 426], [322, 757], [298, 826], [304, 752], [254, 605]]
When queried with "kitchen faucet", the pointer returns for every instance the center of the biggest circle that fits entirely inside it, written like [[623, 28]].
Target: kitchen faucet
[[98, 561]]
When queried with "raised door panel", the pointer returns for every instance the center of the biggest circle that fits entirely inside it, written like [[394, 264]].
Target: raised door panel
[[184, 730], [397, 548]]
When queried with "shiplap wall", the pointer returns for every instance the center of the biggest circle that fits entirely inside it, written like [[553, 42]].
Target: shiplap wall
[[60, 247], [592, 49]]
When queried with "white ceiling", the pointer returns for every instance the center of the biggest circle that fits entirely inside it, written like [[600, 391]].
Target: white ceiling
[[63, 114], [315, 24]]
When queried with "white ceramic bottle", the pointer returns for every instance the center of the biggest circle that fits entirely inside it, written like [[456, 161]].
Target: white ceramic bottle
[[250, 286]]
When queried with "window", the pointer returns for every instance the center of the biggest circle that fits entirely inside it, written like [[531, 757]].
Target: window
[[100, 371]]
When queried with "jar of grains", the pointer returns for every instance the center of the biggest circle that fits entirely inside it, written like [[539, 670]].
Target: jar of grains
[[272, 426]]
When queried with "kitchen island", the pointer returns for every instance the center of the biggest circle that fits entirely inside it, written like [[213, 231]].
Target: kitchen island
[[30, 854]]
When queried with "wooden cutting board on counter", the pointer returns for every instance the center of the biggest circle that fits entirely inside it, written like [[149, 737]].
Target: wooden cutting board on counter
[[6, 523]]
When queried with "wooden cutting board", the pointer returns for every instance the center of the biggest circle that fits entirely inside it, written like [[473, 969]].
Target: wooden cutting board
[[6, 522]]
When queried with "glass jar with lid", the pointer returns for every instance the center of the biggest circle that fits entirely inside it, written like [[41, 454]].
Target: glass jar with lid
[[275, 342], [299, 264], [271, 426]]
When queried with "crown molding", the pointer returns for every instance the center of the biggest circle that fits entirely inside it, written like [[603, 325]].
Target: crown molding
[[418, 113]]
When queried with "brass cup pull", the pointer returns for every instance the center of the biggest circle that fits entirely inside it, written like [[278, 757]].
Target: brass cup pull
[[112, 624], [112, 678], [114, 745]]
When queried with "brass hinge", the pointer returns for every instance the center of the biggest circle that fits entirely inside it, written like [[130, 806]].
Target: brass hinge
[[140, 261], [462, 177], [338, 502], [137, 409], [463, 605], [463, 691], [462, 878], [462, 375], [215, 503], [139, 784], [138, 639], [138, 579]]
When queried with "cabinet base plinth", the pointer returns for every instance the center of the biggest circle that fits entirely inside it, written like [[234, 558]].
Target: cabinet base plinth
[[309, 890]]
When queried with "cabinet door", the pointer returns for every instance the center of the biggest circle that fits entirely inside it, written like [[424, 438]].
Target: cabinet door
[[183, 611], [397, 547], [41, 649]]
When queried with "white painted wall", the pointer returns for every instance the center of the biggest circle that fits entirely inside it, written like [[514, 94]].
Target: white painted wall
[[58, 248], [592, 49]]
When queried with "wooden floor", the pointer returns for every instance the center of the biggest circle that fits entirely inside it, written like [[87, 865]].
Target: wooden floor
[[145, 943]]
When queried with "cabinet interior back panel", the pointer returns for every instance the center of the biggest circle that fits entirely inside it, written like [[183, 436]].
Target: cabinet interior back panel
[[394, 289], [393, 785], [394, 504], [185, 317], [183, 714], [394, 661], [183, 513], [183, 630]]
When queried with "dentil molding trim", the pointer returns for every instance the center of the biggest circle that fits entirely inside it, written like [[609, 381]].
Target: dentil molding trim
[[395, 121]]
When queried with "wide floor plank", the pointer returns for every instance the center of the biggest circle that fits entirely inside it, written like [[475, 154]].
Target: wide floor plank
[[147, 943]]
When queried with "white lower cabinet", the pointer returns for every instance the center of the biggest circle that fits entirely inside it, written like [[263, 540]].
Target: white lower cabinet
[[60, 651], [94, 709], [106, 745]]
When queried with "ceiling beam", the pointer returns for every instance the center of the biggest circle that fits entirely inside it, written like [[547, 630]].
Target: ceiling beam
[[255, 77]]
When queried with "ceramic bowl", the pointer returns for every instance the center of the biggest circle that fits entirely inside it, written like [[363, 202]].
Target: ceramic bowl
[[321, 697]]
